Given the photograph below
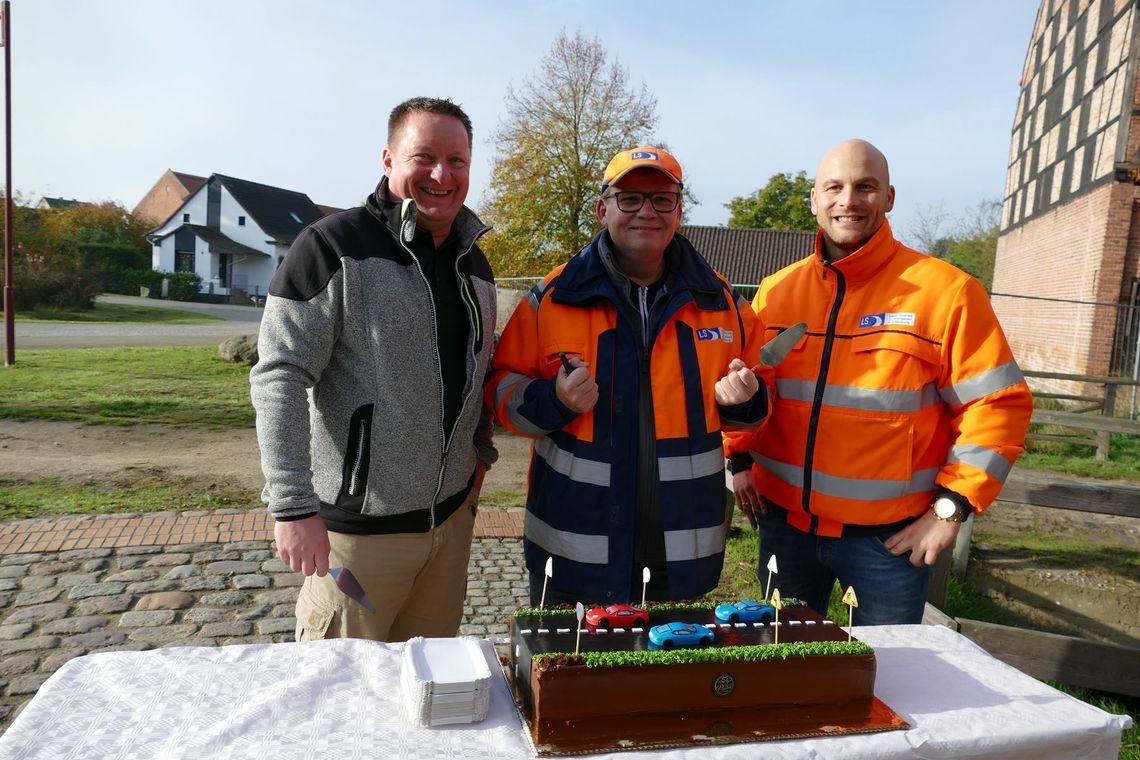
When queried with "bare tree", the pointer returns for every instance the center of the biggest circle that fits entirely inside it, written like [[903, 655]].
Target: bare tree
[[928, 233], [560, 129], [970, 244]]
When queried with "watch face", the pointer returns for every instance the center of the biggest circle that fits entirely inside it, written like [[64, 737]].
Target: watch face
[[945, 509]]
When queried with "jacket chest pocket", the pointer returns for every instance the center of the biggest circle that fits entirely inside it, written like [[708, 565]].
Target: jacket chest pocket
[[357, 456], [892, 360]]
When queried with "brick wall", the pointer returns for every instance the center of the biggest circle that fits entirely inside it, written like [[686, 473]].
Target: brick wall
[[1076, 252], [162, 200]]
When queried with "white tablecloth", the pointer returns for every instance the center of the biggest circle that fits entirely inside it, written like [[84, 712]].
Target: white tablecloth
[[341, 699]]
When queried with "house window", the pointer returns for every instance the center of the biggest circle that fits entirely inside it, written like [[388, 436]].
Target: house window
[[185, 217], [183, 261], [241, 221]]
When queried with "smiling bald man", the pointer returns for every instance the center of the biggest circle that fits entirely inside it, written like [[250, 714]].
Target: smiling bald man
[[897, 417]]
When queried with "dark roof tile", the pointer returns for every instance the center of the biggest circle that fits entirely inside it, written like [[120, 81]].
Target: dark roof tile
[[746, 256], [281, 213]]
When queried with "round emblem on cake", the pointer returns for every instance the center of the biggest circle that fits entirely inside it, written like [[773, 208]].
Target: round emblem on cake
[[724, 685]]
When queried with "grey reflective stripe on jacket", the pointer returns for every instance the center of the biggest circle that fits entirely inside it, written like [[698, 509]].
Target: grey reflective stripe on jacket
[[851, 397], [861, 489], [680, 545], [518, 396], [991, 381]]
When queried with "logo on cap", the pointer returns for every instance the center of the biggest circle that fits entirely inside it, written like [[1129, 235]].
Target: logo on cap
[[637, 155]]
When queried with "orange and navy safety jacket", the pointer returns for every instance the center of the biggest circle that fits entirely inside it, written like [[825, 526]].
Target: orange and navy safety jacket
[[904, 386], [640, 477]]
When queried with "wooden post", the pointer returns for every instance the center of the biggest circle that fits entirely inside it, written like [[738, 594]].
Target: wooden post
[[961, 555], [1104, 437]]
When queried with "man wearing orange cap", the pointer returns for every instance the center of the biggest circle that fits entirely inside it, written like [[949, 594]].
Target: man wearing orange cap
[[624, 365]]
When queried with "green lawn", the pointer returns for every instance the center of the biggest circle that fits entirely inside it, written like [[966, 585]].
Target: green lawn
[[123, 386], [112, 312], [138, 490]]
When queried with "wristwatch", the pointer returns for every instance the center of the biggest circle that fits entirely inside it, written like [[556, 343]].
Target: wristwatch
[[951, 511]]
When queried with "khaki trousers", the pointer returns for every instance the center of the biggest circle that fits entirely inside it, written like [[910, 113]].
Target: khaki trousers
[[416, 581]]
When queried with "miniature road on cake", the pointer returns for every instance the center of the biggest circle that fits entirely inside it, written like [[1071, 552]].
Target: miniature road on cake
[[556, 631]]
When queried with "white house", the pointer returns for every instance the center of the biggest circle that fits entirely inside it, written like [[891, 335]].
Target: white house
[[232, 233]]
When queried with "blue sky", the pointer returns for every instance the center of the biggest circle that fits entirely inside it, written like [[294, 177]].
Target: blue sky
[[107, 95]]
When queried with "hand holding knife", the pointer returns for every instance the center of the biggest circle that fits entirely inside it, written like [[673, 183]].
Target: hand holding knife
[[776, 350], [579, 394]]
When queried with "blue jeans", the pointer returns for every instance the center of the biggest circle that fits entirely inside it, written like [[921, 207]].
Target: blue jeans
[[889, 589]]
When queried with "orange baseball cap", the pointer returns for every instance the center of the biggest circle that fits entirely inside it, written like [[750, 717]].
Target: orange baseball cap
[[641, 157]]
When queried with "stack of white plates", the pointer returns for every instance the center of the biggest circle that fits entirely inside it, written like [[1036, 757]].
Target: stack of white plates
[[447, 680]]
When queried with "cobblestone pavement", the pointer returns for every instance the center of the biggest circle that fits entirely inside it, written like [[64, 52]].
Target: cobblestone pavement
[[94, 592]]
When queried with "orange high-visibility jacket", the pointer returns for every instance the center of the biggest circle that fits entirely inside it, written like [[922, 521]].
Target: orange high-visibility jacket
[[652, 443], [903, 385]]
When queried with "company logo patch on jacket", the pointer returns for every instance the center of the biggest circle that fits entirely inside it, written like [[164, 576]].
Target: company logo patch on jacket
[[887, 318], [714, 333]]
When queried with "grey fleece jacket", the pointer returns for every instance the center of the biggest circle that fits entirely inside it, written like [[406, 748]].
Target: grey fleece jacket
[[348, 388]]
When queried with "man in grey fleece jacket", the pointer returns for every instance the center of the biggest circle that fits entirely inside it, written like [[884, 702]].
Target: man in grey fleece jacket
[[374, 345]]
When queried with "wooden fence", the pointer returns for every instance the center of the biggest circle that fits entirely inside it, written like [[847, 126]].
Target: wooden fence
[[1095, 414]]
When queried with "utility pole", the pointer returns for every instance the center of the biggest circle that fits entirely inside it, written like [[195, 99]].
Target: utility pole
[[9, 296]]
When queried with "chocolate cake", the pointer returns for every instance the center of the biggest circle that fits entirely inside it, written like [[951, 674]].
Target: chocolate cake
[[618, 693]]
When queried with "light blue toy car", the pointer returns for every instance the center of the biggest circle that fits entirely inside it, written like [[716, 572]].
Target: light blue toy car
[[669, 635], [745, 611]]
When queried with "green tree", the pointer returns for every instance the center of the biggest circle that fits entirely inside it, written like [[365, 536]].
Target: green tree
[[782, 204], [561, 128]]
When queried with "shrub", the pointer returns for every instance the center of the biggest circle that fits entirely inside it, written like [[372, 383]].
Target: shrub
[[119, 265], [183, 285], [56, 281]]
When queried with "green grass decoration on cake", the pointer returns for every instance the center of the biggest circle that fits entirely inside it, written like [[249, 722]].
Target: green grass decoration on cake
[[711, 654]]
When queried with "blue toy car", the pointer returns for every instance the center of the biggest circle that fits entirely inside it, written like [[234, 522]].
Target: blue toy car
[[745, 611], [671, 635]]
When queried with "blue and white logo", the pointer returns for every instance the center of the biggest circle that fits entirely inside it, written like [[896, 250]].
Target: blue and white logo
[[637, 155], [714, 333], [887, 318]]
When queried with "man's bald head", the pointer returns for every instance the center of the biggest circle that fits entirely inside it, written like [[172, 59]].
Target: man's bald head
[[851, 196], [854, 150]]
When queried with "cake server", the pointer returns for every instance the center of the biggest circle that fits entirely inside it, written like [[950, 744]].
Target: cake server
[[776, 350], [351, 587]]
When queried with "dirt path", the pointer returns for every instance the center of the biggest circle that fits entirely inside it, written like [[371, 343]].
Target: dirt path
[[75, 453]]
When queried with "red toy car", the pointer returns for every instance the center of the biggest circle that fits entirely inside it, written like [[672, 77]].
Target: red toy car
[[617, 616]]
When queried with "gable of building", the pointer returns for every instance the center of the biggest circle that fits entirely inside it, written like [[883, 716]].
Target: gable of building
[[282, 214], [167, 195], [1071, 204]]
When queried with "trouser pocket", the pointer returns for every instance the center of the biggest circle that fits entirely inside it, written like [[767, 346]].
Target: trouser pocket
[[315, 611]]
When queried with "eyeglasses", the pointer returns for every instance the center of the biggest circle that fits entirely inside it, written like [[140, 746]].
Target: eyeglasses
[[631, 203]]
